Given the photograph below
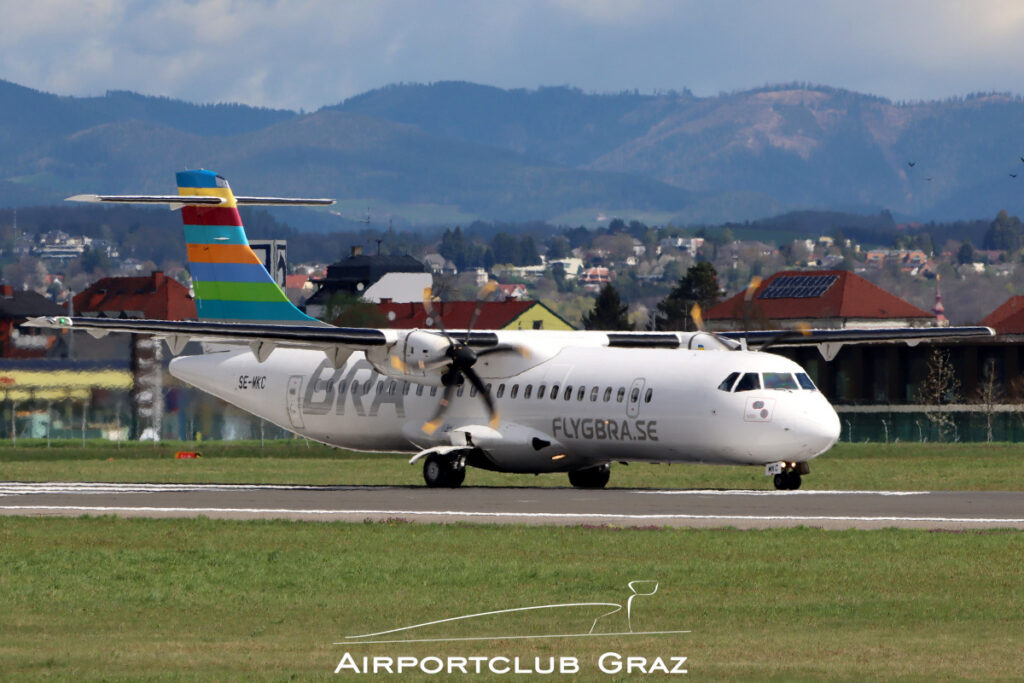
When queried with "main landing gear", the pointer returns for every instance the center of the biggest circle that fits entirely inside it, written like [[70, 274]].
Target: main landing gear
[[444, 470], [786, 475], [591, 478]]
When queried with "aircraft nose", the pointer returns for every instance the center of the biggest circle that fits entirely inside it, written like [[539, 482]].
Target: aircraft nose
[[820, 429]]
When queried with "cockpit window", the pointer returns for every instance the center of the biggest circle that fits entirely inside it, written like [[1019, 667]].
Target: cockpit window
[[750, 381], [727, 383], [805, 381], [779, 380]]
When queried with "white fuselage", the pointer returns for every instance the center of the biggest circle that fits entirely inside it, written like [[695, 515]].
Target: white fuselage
[[612, 404]]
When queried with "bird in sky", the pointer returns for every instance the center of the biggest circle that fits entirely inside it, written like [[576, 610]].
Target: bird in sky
[[1013, 175], [911, 164]]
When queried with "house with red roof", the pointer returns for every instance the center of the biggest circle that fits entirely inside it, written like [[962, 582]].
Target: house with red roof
[[510, 314], [1007, 318], [154, 297], [823, 299]]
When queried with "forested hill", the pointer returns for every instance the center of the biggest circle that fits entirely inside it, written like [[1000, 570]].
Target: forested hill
[[452, 152]]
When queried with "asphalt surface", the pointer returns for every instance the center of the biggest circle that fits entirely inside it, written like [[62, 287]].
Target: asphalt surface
[[563, 506]]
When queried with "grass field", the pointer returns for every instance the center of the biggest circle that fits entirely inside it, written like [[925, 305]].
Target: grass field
[[904, 466], [199, 599]]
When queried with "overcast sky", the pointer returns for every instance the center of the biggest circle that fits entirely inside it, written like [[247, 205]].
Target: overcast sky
[[311, 53]]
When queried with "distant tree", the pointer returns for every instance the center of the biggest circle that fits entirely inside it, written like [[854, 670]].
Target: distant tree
[[699, 286], [453, 246], [505, 248], [966, 253], [528, 255], [1005, 233], [939, 388], [558, 248], [93, 260], [579, 237], [988, 394], [609, 313], [348, 310]]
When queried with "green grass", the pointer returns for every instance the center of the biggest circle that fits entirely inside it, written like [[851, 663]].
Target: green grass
[[198, 599], [906, 466]]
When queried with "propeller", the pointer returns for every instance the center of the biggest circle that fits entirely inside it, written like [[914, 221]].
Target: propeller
[[458, 360], [748, 305]]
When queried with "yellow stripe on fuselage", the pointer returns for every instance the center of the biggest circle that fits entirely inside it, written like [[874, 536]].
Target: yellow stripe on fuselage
[[222, 192]]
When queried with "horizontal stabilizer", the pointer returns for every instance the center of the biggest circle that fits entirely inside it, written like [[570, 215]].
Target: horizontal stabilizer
[[176, 201]]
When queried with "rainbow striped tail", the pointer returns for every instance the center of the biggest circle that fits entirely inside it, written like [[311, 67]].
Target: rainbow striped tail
[[229, 279]]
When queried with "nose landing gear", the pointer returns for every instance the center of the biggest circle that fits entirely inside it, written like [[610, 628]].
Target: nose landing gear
[[786, 475], [446, 470]]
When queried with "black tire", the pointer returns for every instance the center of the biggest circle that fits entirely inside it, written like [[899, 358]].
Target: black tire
[[458, 475], [590, 478], [787, 481], [436, 471], [439, 471]]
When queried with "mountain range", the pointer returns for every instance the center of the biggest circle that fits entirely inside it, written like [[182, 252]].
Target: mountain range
[[453, 152]]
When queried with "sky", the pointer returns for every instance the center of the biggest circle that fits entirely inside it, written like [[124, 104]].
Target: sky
[[305, 54]]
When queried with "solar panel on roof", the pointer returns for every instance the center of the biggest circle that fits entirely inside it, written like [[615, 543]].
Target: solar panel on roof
[[798, 287]]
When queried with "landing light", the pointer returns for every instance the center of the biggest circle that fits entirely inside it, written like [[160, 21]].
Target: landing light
[[558, 457]]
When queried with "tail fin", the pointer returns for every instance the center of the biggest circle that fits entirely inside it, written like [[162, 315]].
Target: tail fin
[[229, 279]]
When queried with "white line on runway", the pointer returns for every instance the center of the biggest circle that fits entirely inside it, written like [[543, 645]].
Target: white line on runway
[[720, 492], [24, 488], [517, 515]]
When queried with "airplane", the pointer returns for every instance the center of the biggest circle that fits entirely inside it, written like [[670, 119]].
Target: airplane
[[525, 401]]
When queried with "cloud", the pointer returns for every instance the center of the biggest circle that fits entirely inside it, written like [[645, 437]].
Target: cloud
[[309, 53]]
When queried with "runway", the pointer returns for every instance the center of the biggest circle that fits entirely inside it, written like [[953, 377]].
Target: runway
[[558, 506]]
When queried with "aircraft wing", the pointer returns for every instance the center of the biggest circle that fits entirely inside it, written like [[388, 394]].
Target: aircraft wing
[[829, 342]]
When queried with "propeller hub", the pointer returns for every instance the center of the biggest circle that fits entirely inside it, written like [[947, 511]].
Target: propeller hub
[[462, 356]]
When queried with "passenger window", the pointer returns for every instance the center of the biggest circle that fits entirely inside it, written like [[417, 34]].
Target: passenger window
[[805, 381], [355, 387], [607, 394], [727, 383], [593, 394], [380, 387], [462, 388], [568, 393], [406, 387], [342, 387], [648, 395], [515, 391], [779, 380], [433, 391], [620, 395], [527, 391], [488, 387], [554, 391], [472, 391], [580, 393], [392, 385], [540, 391], [750, 381], [419, 389], [501, 390], [634, 395]]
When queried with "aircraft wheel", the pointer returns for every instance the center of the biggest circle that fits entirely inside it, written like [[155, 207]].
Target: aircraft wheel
[[440, 472], [590, 478], [787, 481]]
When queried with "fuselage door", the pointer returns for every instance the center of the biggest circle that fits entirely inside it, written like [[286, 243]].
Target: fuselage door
[[636, 391], [292, 399]]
